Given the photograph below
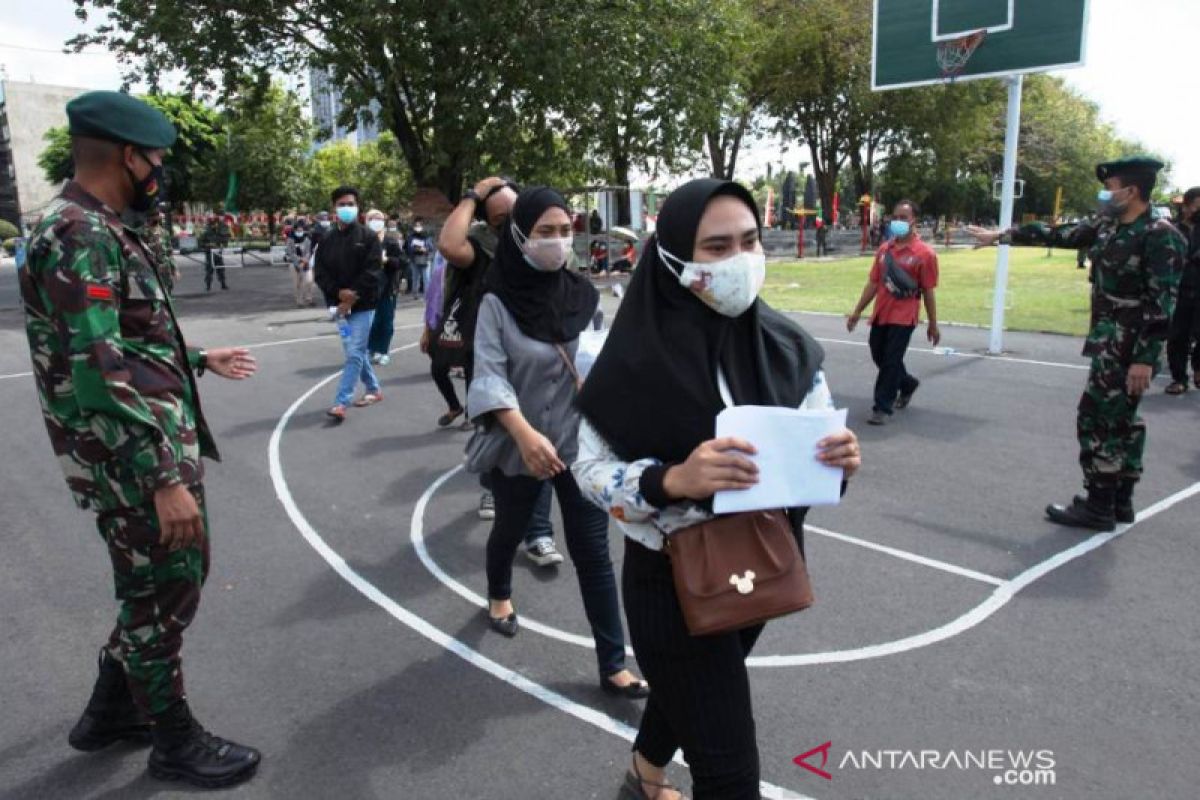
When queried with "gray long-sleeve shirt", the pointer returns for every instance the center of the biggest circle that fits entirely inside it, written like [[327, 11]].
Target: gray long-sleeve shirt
[[515, 371]]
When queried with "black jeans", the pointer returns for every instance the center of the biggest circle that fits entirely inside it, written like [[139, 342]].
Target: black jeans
[[888, 345], [700, 691], [1183, 343], [586, 530]]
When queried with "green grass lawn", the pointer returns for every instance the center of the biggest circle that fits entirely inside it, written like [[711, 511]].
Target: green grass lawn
[[1044, 294]]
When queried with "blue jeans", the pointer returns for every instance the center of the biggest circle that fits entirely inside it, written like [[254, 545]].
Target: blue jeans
[[418, 278], [586, 531], [383, 328], [358, 365], [539, 524]]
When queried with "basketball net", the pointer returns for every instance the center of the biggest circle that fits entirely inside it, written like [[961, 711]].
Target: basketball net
[[953, 54]]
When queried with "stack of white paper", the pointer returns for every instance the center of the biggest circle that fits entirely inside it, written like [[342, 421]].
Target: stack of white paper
[[789, 473]]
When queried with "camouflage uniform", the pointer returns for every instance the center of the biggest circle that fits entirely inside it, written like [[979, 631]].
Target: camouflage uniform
[[1135, 275], [119, 400], [157, 240], [215, 236]]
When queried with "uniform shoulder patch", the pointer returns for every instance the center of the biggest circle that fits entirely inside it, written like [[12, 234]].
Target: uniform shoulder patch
[[100, 291]]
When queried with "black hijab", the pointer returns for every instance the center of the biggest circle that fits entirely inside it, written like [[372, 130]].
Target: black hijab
[[548, 306], [653, 389]]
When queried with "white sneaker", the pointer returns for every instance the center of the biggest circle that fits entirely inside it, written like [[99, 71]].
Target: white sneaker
[[375, 357], [543, 553], [487, 506], [384, 360]]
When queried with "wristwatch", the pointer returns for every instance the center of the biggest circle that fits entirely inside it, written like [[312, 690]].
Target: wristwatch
[[201, 362], [471, 194]]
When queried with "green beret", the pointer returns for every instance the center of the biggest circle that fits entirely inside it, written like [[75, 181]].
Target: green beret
[[120, 117], [1126, 166]]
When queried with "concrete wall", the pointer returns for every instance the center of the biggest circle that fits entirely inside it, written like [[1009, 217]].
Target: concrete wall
[[33, 109]]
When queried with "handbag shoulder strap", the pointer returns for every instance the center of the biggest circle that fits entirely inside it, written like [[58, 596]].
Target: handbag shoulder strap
[[566, 358]]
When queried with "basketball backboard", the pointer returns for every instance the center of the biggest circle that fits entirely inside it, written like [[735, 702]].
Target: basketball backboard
[[1022, 36]]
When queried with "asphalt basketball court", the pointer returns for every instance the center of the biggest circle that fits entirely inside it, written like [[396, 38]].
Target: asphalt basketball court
[[335, 633]]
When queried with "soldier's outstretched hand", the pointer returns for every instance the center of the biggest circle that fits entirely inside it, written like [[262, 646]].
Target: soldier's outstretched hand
[[234, 363], [178, 517], [1138, 379]]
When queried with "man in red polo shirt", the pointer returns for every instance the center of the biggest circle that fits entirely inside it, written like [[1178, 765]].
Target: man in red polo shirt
[[913, 268]]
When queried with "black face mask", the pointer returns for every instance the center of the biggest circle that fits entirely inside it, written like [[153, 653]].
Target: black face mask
[[148, 190]]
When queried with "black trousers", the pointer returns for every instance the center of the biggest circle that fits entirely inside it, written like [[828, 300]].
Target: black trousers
[[440, 372], [888, 345], [699, 688], [585, 527], [1183, 342]]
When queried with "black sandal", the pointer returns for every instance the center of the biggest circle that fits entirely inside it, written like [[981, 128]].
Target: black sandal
[[632, 788], [445, 419], [635, 690]]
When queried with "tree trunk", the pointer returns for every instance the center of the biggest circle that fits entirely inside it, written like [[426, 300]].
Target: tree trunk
[[621, 174], [716, 153]]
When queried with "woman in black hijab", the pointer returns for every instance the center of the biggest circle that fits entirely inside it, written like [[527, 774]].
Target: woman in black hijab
[[691, 337], [523, 390]]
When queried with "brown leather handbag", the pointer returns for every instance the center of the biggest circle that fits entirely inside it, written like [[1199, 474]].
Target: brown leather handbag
[[737, 570]]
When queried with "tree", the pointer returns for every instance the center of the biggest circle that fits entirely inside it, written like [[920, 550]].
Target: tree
[[747, 87], [450, 89], [376, 169], [818, 61], [198, 127], [55, 159], [266, 148], [652, 82], [636, 80]]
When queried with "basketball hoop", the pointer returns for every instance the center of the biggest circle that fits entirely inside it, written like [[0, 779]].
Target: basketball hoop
[[953, 54]]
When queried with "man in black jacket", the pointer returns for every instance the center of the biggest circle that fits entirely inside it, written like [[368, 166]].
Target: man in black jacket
[[349, 270]]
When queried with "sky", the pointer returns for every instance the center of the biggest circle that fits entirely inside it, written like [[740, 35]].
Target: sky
[[1139, 70]]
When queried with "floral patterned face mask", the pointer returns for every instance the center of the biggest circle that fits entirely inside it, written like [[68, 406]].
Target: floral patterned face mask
[[729, 286]]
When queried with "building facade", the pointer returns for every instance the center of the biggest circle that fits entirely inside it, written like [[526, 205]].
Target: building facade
[[27, 112], [327, 106]]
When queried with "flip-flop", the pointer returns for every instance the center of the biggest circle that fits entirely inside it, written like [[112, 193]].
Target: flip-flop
[[368, 399]]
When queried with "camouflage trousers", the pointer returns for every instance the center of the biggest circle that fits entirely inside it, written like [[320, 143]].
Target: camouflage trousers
[[1112, 437], [159, 591]]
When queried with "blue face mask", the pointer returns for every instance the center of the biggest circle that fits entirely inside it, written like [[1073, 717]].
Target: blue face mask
[[347, 214], [899, 228]]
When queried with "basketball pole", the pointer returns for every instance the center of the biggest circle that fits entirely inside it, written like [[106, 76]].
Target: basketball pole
[[1011, 134]]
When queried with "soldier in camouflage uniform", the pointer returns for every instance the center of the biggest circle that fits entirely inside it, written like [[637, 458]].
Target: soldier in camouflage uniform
[[157, 239], [118, 395], [1136, 265], [214, 237]]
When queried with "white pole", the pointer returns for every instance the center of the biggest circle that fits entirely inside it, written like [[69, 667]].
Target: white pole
[[1012, 132]]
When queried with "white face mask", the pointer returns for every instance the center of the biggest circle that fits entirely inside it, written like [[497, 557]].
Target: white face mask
[[545, 255], [729, 286], [375, 225]]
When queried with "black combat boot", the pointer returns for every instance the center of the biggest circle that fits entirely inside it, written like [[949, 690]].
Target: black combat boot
[[110, 715], [1123, 504], [1094, 512], [183, 750]]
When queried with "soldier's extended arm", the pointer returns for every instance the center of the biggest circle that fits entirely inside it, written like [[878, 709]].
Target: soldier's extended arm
[[1162, 265], [73, 277]]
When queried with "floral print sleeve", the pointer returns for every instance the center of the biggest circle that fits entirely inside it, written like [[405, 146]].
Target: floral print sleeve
[[615, 485]]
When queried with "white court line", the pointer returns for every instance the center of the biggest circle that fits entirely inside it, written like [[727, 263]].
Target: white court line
[[417, 535], [997, 600], [418, 624], [956, 354], [257, 346], [907, 556]]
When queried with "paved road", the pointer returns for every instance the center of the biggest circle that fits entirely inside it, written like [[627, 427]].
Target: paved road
[[325, 640]]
